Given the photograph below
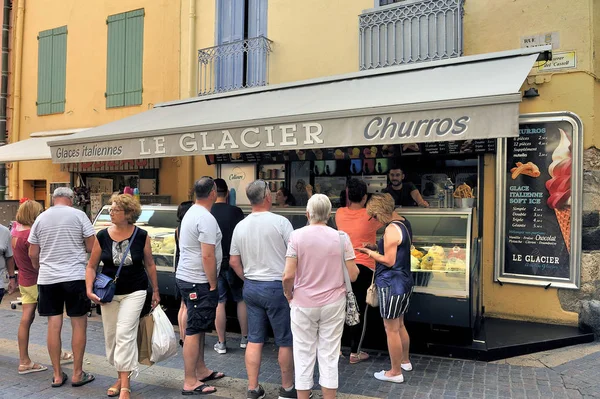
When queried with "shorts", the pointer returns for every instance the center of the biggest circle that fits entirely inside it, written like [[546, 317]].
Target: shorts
[[54, 298], [230, 286], [266, 304], [29, 295], [392, 306], [201, 304]]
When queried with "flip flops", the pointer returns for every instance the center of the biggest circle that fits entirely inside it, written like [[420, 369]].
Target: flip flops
[[199, 390], [31, 368], [86, 378], [65, 377], [66, 357], [215, 375]]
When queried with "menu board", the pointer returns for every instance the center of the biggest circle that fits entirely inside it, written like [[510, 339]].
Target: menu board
[[538, 201], [433, 149]]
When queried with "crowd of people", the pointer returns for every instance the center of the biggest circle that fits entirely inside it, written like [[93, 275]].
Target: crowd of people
[[291, 281]]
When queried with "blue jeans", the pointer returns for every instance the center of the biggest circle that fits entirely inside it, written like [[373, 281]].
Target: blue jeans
[[267, 304]]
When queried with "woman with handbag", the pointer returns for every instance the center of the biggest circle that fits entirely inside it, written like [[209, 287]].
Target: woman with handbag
[[362, 229], [394, 281], [319, 266], [125, 252]]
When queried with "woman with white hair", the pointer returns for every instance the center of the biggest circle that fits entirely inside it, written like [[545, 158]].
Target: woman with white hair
[[313, 282]]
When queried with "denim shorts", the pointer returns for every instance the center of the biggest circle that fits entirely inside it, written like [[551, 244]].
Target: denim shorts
[[201, 304], [266, 304], [230, 286]]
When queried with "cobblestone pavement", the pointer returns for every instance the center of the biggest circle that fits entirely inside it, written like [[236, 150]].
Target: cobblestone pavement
[[565, 373]]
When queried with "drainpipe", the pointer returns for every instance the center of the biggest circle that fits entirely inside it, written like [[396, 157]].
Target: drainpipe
[[4, 90], [192, 92], [16, 98]]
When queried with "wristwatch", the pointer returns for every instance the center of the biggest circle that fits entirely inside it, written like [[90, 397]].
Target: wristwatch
[[12, 277]]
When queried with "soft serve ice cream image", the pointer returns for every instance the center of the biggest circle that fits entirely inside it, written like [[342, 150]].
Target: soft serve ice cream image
[[559, 186]]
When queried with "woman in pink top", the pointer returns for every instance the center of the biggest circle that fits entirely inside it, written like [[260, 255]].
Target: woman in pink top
[[26, 215], [313, 283]]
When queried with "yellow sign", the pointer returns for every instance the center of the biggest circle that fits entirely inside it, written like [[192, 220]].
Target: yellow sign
[[560, 60]]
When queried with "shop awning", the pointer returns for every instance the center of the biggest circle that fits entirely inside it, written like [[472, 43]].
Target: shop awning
[[474, 97], [33, 149]]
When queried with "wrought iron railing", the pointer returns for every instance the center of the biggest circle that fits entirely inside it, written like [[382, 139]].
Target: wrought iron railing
[[410, 31], [233, 66]]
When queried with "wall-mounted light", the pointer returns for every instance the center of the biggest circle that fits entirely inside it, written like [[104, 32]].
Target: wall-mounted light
[[531, 93]]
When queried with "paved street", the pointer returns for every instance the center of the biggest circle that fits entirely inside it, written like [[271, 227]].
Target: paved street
[[565, 373]]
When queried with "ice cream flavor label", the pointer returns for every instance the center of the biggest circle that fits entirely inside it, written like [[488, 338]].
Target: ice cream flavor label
[[538, 201]]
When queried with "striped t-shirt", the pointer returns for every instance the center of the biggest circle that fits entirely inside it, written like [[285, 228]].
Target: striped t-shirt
[[61, 232]]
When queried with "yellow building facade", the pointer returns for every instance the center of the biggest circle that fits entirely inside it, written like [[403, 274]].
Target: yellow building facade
[[310, 39]]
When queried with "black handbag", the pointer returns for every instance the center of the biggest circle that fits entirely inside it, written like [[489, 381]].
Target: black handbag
[[104, 287]]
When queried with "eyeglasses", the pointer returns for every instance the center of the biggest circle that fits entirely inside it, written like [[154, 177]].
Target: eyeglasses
[[374, 216], [266, 188], [112, 210]]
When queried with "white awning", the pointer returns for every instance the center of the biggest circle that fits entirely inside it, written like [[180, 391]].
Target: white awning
[[35, 148], [475, 97]]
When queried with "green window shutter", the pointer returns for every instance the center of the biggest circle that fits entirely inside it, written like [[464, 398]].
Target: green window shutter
[[59, 69], [124, 60], [52, 71]]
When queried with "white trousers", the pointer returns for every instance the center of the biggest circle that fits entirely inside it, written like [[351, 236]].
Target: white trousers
[[121, 319], [317, 334]]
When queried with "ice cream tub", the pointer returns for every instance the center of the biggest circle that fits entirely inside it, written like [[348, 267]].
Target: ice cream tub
[[464, 203]]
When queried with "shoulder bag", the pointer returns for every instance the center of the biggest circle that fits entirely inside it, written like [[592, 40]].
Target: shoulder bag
[[352, 314], [104, 286]]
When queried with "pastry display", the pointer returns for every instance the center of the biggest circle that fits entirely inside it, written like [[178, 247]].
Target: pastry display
[[456, 265]]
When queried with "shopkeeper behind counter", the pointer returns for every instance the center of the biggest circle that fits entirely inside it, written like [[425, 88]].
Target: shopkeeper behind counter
[[404, 193]]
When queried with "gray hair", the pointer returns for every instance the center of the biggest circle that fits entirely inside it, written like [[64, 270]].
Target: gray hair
[[63, 192], [318, 208], [257, 191], [203, 187]]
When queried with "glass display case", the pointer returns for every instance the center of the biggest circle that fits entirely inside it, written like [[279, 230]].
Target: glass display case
[[160, 222]]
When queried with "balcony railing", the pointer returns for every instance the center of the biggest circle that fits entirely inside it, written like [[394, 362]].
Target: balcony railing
[[233, 66], [410, 31]]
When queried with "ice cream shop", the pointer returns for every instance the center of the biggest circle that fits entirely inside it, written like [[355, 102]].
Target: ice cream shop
[[495, 207]]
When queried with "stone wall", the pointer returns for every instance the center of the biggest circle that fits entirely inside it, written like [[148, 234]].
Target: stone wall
[[585, 301]]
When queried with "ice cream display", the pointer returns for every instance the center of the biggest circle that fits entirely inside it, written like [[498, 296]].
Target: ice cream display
[[456, 265], [427, 262], [559, 186], [415, 252], [415, 263]]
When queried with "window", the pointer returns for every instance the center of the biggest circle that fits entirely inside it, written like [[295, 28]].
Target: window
[[125, 59], [52, 71], [387, 2]]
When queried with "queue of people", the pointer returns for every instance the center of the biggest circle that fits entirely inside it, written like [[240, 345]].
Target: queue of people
[[290, 281]]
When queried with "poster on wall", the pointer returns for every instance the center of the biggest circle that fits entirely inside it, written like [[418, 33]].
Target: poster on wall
[[541, 177], [238, 176]]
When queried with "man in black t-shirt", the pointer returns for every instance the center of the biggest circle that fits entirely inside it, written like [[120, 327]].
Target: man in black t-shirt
[[404, 193], [230, 285]]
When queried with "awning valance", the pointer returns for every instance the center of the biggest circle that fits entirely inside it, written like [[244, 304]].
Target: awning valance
[[475, 97], [34, 148]]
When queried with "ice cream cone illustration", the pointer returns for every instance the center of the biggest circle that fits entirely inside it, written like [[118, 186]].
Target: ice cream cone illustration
[[559, 186]]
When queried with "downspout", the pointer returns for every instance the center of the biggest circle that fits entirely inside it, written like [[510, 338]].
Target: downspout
[[192, 92], [4, 90], [16, 114]]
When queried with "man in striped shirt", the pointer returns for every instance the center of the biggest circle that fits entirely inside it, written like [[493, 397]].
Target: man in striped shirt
[[60, 239]]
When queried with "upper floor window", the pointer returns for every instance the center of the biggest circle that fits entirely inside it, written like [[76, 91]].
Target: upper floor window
[[125, 59], [386, 2], [52, 71]]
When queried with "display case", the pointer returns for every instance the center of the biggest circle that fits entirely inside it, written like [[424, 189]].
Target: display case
[[160, 222], [444, 262]]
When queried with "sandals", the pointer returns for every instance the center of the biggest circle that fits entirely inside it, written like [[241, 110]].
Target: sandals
[[215, 375], [114, 390], [66, 357], [359, 357], [65, 377], [31, 368], [86, 378], [199, 390]]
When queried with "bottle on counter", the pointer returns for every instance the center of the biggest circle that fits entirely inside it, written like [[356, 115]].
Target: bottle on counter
[[136, 194], [449, 193], [442, 198], [232, 195]]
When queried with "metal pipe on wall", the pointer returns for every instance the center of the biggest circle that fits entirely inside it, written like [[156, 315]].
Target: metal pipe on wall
[[16, 98], [4, 89], [192, 90]]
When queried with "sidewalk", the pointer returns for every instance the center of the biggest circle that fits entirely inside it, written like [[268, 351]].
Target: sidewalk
[[565, 373]]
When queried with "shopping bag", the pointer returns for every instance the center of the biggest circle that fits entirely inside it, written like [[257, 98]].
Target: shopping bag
[[144, 340], [164, 343]]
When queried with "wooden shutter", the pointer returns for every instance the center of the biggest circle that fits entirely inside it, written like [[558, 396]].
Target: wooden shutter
[[124, 59], [52, 71], [230, 29], [256, 73]]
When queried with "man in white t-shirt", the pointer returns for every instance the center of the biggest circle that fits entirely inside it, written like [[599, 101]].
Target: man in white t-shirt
[[257, 255], [60, 239], [199, 263]]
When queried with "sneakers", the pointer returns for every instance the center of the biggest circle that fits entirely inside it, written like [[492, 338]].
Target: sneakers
[[220, 348], [258, 393], [244, 342], [359, 357], [283, 394]]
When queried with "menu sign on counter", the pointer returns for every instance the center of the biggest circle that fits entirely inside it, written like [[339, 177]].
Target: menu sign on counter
[[538, 201]]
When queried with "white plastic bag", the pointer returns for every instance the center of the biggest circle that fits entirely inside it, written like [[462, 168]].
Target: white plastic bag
[[164, 343]]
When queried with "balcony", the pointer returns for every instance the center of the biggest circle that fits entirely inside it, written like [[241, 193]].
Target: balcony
[[232, 66], [410, 31]]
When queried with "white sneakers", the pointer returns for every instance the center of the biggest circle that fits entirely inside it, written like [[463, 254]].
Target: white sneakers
[[399, 379]]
